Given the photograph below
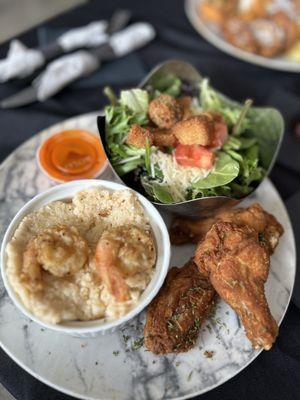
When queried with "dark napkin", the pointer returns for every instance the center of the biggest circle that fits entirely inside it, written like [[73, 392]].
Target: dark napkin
[[274, 375]]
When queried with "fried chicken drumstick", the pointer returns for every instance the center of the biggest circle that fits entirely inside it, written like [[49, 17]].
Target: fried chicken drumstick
[[191, 231], [236, 262], [175, 315]]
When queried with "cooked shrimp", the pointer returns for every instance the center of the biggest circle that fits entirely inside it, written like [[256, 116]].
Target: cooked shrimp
[[31, 273], [122, 253], [59, 250]]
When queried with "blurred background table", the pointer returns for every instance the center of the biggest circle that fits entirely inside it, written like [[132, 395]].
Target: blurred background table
[[275, 374]]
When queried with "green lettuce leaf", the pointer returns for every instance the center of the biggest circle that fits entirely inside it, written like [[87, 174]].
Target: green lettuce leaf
[[137, 100], [125, 168], [156, 190], [210, 99], [118, 122], [224, 172], [239, 143], [167, 83], [216, 191]]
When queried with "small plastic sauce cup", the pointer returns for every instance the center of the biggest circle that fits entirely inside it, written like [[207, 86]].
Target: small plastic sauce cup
[[70, 155]]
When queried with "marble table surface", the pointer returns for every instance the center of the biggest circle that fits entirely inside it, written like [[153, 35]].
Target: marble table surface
[[114, 366]]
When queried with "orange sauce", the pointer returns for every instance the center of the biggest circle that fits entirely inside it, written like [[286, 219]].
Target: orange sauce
[[72, 154]]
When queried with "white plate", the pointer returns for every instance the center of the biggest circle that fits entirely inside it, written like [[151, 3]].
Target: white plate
[[278, 63], [87, 368]]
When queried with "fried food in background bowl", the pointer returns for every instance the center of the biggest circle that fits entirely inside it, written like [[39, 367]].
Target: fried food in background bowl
[[85, 256], [268, 28], [187, 147]]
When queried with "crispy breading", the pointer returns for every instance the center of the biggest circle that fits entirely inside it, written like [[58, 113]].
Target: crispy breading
[[255, 9], [176, 314], [269, 37], [289, 26], [163, 137], [239, 34], [164, 111], [185, 103], [186, 230], [214, 116], [237, 264], [198, 130], [217, 12], [137, 136]]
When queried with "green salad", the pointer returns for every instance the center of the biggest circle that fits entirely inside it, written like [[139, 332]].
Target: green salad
[[181, 145]]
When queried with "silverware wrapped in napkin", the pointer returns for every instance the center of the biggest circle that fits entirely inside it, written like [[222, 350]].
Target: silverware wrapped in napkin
[[68, 68], [21, 61]]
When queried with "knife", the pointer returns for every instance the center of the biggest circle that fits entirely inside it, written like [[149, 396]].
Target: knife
[[118, 21]]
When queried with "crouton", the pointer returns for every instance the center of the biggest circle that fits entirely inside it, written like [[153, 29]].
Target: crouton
[[198, 129], [214, 116], [137, 136], [164, 111], [185, 104], [163, 138]]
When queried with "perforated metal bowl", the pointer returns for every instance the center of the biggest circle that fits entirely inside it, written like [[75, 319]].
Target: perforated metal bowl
[[206, 206]]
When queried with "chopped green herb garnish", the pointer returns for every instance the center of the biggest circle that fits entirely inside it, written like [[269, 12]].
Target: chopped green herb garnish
[[209, 354], [137, 343]]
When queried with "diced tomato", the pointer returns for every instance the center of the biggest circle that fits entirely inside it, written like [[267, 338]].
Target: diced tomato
[[220, 135], [194, 156]]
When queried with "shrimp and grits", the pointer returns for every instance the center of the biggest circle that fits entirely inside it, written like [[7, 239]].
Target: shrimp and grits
[[85, 259]]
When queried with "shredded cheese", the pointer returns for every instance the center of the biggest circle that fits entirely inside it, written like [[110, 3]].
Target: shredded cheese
[[178, 178]]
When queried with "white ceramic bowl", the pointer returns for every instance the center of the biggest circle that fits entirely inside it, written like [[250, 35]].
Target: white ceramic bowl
[[67, 191]]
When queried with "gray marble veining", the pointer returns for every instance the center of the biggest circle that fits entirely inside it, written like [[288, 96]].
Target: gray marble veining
[[114, 366]]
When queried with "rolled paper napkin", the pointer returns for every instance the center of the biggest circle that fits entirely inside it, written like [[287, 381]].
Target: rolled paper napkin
[[22, 61], [64, 70], [68, 68], [91, 35]]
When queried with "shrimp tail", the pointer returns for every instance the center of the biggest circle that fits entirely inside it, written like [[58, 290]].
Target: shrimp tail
[[106, 268], [31, 274]]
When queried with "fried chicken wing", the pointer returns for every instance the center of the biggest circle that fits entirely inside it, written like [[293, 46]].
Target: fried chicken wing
[[237, 264], [185, 230], [175, 315]]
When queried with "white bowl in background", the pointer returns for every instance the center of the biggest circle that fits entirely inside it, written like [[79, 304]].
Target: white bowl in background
[[66, 191]]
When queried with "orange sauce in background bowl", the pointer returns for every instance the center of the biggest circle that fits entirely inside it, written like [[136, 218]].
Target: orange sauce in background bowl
[[72, 154]]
